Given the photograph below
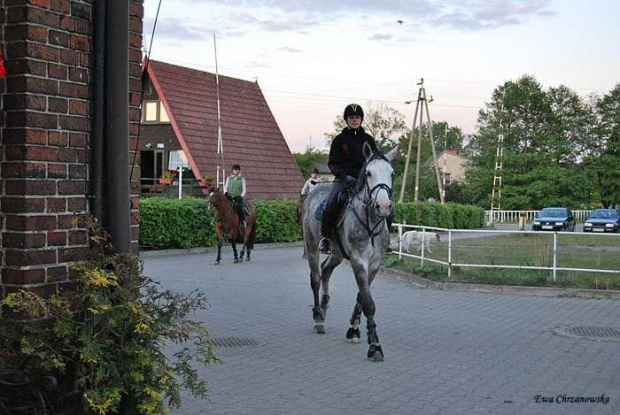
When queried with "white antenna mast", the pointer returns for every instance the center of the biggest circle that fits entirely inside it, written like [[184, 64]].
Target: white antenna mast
[[220, 146], [496, 193], [445, 152]]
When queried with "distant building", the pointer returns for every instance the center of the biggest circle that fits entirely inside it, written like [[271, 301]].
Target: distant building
[[455, 165], [180, 125]]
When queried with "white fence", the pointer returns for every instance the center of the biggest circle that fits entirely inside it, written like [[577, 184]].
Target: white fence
[[512, 216], [451, 235]]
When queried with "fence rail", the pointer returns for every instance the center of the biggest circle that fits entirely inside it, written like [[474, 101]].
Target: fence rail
[[513, 216], [450, 264]]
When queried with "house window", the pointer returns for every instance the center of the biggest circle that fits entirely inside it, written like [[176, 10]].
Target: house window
[[176, 159], [446, 177], [154, 112]]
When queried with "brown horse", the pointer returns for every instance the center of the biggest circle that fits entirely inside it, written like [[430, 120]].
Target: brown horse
[[227, 223]]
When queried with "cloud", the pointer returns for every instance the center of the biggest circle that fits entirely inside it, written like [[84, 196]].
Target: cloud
[[381, 37], [176, 29], [236, 18], [290, 49]]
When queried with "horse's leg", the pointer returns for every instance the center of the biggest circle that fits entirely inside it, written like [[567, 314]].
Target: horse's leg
[[315, 283], [327, 267], [353, 333], [245, 241], [218, 236], [362, 277], [234, 248]]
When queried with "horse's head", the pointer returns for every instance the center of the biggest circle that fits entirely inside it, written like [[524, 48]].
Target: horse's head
[[376, 180], [212, 198]]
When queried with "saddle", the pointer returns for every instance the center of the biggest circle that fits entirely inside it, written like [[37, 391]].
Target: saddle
[[343, 200], [244, 206]]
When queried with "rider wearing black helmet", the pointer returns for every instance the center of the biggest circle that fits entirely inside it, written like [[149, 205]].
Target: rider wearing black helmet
[[346, 159], [235, 189]]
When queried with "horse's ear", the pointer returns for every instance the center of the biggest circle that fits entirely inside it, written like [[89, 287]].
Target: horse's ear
[[392, 153], [367, 151]]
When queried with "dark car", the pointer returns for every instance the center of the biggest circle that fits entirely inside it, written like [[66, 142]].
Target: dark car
[[603, 220], [554, 219]]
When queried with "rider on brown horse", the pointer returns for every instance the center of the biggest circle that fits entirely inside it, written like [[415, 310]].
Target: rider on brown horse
[[235, 190]]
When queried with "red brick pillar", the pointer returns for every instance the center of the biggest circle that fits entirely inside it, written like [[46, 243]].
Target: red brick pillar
[[46, 132]]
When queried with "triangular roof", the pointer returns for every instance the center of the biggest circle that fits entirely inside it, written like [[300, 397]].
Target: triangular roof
[[251, 136]]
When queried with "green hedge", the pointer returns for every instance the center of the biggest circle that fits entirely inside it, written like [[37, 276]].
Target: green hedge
[[277, 221], [171, 223], [450, 215]]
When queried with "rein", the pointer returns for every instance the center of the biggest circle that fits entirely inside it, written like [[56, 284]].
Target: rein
[[368, 201]]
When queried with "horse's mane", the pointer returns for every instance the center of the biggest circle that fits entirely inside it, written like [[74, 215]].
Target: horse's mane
[[361, 177]]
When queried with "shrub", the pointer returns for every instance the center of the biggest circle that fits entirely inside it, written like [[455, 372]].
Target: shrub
[[277, 221], [106, 334], [173, 223], [450, 215]]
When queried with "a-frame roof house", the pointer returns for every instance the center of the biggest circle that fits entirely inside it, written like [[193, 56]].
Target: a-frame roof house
[[251, 136]]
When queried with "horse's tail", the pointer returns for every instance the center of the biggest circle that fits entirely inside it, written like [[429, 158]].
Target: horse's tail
[[252, 237]]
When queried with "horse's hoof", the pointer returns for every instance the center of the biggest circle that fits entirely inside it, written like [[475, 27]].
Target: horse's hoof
[[236, 260], [353, 335], [375, 353], [376, 357], [240, 259], [216, 263], [319, 328], [248, 259]]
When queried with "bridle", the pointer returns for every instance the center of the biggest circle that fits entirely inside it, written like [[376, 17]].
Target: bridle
[[370, 201]]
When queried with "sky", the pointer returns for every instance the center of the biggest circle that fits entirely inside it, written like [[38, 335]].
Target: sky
[[313, 57]]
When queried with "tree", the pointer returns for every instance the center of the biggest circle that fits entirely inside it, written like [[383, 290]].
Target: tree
[[307, 160], [605, 158], [384, 123], [558, 148], [454, 138], [538, 142]]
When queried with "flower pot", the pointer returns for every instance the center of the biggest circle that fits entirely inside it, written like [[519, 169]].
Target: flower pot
[[165, 181]]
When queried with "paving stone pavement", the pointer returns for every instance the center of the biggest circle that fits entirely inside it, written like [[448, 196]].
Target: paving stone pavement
[[446, 352]]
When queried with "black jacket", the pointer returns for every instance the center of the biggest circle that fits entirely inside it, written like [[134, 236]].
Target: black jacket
[[345, 154]]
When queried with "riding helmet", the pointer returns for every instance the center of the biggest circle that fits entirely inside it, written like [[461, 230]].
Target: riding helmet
[[353, 109], [315, 170], [236, 167]]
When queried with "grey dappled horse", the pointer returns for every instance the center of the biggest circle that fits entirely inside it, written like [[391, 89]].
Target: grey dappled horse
[[364, 236]]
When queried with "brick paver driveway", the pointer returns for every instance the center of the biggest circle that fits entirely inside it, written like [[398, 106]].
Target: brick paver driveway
[[446, 352]]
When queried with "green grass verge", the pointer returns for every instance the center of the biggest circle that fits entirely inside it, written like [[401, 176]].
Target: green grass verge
[[574, 251]]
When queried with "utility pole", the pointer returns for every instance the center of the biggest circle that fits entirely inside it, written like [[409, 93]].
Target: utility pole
[[420, 105], [436, 162], [415, 117]]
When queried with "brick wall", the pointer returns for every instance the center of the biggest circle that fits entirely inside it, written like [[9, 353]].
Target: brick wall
[[46, 132]]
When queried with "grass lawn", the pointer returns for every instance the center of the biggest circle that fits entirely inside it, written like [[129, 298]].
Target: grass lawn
[[574, 251]]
